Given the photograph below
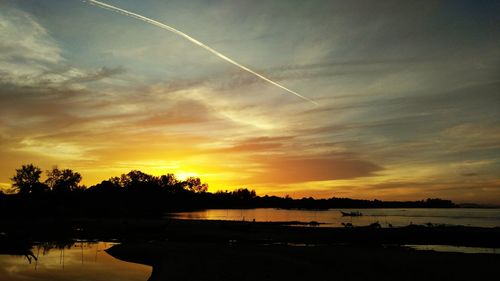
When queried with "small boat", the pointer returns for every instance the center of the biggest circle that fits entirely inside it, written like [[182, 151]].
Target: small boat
[[351, 214]]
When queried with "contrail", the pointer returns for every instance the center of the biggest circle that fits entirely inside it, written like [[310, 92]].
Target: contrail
[[208, 48]]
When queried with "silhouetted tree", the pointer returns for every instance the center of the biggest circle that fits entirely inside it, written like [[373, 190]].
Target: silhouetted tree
[[63, 180], [244, 194], [27, 179], [167, 181], [170, 184], [194, 184], [116, 181], [40, 188], [106, 186], [138, 180]]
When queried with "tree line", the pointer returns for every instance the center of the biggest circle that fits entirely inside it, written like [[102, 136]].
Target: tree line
[[26, 181], [140, 194]]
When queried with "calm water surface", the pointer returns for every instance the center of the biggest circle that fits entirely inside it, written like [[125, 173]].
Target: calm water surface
[[455, 249], [333, 217], [80, 261]]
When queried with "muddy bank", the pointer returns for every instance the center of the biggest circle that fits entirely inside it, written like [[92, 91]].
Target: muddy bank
[[218, 261]]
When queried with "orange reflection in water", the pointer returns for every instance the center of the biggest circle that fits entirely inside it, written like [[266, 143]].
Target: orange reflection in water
[[80, 261]]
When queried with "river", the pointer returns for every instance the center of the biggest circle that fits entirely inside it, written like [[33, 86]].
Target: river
[[333, 217]]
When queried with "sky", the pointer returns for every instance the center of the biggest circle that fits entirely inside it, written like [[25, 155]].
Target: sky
[[408, 95]]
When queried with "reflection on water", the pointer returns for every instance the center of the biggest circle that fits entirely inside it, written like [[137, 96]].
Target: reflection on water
[[78, 261], [455, 249], [333, 217]]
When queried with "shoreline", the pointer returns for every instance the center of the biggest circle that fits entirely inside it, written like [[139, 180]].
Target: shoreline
[[142, 229]]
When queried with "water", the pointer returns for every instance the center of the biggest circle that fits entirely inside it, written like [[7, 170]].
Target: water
[[333, 217], [78, 261], [455, 249]]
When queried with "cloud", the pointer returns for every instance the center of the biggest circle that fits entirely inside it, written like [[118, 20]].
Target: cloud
[[23, 39], [296, 169], [255, 145], [31, 58], [57, 150], [26, 49], [102, 73], [318, 70]]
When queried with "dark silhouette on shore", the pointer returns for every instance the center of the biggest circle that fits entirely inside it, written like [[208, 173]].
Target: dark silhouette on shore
[[140, 194]]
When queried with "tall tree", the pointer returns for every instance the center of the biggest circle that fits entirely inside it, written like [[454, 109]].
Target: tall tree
[[195, 185], [137, 180], [168, 181], [26, 179], [63, 180]]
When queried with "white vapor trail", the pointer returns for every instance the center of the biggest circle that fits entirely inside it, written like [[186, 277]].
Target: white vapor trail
[[208, 48]]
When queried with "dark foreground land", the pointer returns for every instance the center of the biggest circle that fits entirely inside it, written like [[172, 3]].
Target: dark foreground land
[[216, 261], [222, 250]]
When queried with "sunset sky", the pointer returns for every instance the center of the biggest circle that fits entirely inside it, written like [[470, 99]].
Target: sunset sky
[[408, 95]]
